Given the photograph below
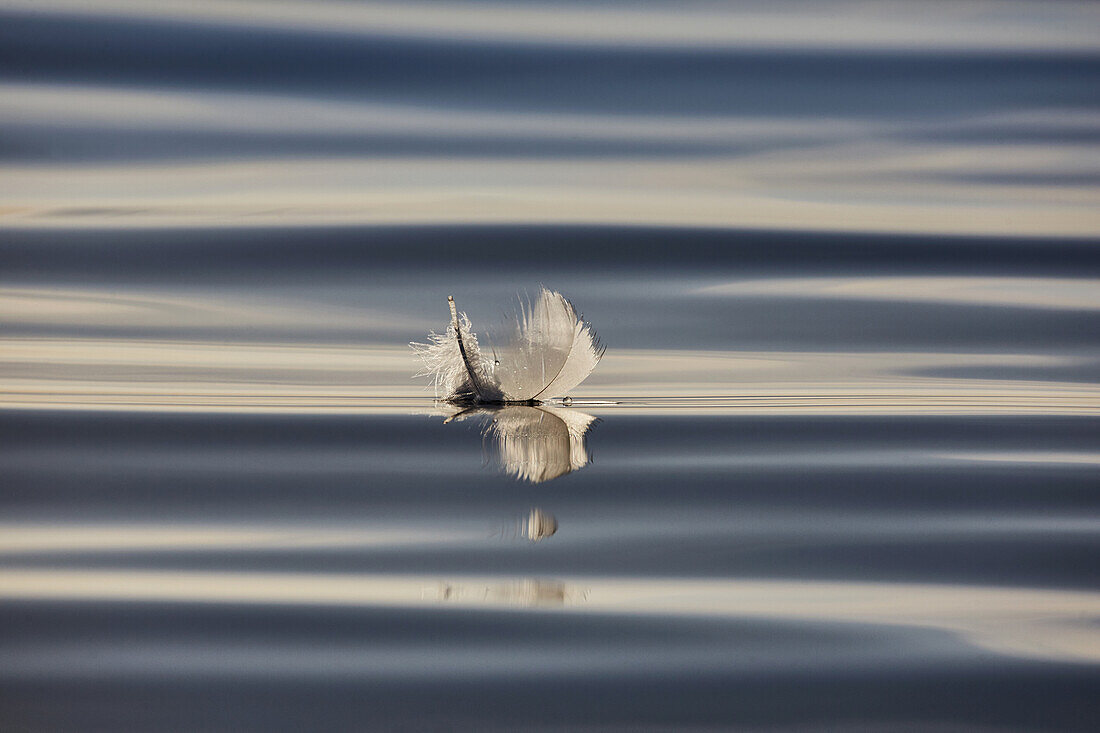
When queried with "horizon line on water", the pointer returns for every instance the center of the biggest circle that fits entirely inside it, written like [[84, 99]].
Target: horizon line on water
[[59, 371], [1029, 403]]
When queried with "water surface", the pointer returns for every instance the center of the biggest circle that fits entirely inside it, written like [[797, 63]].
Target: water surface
[[837, 470]]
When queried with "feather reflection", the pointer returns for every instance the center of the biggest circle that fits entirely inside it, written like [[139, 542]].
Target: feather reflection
[[533, 443], [530, 592], [539, 525]]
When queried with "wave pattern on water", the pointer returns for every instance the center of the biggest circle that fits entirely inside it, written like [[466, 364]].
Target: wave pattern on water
[[836, 471], [709, 115]]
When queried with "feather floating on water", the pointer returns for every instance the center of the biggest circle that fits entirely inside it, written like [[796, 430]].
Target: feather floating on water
[[545, 351]]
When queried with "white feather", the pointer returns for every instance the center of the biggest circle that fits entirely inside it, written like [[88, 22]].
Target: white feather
[[544, 352]]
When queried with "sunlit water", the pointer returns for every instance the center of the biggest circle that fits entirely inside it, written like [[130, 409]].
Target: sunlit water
[[837, 470]]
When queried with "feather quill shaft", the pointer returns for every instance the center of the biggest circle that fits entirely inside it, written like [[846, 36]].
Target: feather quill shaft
[[462, 349]]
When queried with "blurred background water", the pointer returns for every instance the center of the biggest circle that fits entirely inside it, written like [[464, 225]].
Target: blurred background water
[[837, 470]]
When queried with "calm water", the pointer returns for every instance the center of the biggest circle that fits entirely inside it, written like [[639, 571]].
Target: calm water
[[837, 470]]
